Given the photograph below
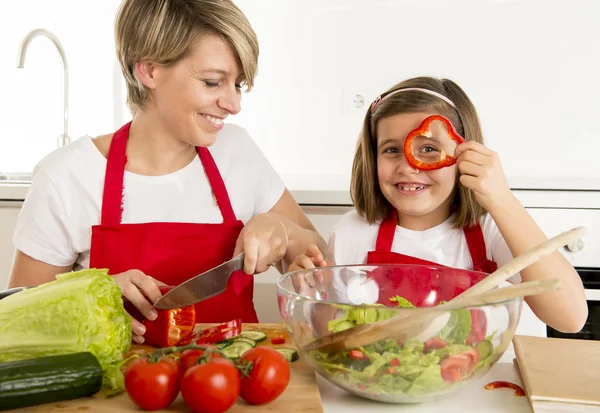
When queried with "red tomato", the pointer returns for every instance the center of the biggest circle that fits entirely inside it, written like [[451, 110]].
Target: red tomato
[[268, 378], [152, 386], [455, 367], [190, 357], [211, 387], [473, 356], [356, 354], [434, 343]]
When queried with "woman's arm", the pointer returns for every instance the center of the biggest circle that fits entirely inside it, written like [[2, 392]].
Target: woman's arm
[[29, 272], [277, 237]]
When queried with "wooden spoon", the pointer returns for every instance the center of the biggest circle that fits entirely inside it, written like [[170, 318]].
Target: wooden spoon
[[365, 334]]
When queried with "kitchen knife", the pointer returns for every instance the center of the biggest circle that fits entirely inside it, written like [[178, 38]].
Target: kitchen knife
[[201, 287]]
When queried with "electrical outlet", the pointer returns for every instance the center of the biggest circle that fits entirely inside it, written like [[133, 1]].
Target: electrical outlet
[[353, 101]]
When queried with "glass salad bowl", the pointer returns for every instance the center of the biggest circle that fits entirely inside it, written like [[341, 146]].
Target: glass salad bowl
[[455, 348]]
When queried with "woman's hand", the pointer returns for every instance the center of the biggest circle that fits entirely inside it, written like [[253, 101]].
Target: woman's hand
[[264, 241], [482, 173], [142, 291]]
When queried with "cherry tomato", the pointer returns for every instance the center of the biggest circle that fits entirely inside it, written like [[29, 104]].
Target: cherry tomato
[[434, 343], [455, 367], [473, 356], [212, 387], [190, 357], [356, 354], [152, 385], [268, 378]]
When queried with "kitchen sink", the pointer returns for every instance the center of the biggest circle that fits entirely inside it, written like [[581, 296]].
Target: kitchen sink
[[15, 178]]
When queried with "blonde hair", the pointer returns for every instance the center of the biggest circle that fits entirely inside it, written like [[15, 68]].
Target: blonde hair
[[162, 32], [365, 191]]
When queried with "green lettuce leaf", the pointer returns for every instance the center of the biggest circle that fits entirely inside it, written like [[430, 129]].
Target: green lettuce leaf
[[79, 311]]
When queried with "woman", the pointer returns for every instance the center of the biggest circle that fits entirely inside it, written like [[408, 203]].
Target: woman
[[176, 191]]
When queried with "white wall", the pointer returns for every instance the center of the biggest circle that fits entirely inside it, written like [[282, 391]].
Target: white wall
[[529, 66]]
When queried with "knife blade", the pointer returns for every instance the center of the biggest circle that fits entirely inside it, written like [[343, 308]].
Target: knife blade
[[202, 286]]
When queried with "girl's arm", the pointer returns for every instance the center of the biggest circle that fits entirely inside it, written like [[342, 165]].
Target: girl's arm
[[564, 310]]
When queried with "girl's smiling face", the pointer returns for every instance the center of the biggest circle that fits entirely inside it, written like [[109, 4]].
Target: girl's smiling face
[[422, 198]]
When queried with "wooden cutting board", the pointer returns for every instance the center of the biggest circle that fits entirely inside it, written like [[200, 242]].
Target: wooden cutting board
[[560, 374], [301, 395]]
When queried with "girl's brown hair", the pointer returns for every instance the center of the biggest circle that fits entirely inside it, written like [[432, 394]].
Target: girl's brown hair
[[365, 191], [162, 31]]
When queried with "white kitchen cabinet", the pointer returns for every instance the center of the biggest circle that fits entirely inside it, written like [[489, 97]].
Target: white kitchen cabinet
[[9, 211]]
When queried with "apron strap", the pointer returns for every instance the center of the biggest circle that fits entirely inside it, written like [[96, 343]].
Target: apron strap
[[218, 186], [387, 230], [112, 197], [476, 243]]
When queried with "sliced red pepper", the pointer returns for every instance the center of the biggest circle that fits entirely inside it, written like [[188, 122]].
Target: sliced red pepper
[[356, 354], [221, 332], [391, 370], [420, 131], [171, 327], [278, 340], [519, 392], [395, 362]]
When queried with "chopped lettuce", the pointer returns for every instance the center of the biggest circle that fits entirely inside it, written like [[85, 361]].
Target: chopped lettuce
[[390, 368], [79, 311], [402, 302], [458, 327]]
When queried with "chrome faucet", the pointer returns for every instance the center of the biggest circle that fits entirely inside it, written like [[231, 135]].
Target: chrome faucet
[[64, 138]]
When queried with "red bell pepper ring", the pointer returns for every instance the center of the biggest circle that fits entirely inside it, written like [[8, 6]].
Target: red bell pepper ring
[[420, 131], [519, 392], [278, 340], [221, 332], [171, 327]]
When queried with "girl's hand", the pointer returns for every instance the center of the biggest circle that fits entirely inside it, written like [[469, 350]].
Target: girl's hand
[[142, 291], [264, 241], [482, 173], [305, 283], [312, 258]]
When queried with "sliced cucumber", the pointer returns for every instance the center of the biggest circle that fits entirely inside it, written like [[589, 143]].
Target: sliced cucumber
[[246, 340], [236, 349], [290, 354], [222, 344], [257, 336]]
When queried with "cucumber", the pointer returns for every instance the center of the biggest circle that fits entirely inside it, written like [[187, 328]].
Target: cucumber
[[254, 335], [245, 340], [48, 379], [290, 354], [236, 349]]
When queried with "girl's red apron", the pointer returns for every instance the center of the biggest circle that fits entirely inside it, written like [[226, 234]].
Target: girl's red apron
[[412, 284], [172, 252]]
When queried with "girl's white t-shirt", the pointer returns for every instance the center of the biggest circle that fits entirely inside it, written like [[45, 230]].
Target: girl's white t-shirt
[[353, 237], [65, 197]]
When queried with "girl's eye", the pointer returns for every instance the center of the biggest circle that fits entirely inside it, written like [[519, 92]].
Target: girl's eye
[[391, 150], [428, 149]]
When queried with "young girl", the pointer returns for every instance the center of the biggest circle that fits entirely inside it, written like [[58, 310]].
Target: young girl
[[461, 216]]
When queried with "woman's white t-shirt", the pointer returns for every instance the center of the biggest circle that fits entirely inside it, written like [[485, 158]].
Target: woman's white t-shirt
[[353, 237], [65, 197]]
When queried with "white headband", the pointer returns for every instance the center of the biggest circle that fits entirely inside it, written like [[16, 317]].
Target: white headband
[[379, 99]]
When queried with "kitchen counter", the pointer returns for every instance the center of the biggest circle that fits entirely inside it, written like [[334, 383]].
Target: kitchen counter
[[474, 398], [334, 190]]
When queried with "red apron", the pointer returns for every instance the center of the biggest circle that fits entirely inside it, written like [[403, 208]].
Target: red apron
[[172, 252], [411, 284]]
